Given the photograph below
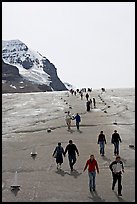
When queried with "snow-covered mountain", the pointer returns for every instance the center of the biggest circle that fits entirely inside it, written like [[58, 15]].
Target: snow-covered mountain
[[33, 69]]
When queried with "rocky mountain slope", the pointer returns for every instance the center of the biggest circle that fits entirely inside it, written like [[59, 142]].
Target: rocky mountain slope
[[25, 70]]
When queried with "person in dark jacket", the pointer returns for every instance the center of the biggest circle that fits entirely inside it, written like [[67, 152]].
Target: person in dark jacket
[[87, 96], [92, 167], [115, 140], [72, 150], [102, 142], [94, 102], [117, 168], [59, 152], [78, 120], [88, 105]]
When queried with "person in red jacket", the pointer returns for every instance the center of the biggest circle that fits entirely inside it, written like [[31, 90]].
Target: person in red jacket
[[92, 167]]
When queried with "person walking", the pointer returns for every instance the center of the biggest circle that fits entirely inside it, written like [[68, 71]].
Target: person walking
[[87, 96], [92, 167], [90, 103], [88, 106], [94, 102], [68, 120], [117, 168], [72, 150], [78, 120], [115, 140], [81, 95], [59, 152], [102, 141]]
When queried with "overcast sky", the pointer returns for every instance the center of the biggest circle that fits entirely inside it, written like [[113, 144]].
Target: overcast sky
[[92, 44]]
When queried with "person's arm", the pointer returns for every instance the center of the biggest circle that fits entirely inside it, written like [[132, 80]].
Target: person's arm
[[122, 166], [98, 140], [85, 166], [111, 165], [97, 167], [66, 150], [120, 139], [63, 152], [105, 139], [54, 152], [76, 150], [74, 117], [112, 140]]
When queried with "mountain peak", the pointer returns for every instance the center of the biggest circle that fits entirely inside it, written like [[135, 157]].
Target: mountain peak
[[32, 65]]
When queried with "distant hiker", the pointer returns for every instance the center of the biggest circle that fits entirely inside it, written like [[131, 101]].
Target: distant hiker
[[71, 91], [102, 142], [87, 96], [72, 150], [103, 89], [88, 105], [92, 167], [94, 102], [81, 95], [78, 120], [59, 152], [68, 119], [117, 168], [115, 140]]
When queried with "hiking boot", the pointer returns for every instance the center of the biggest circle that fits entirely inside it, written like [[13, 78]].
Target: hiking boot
[[119, 194]]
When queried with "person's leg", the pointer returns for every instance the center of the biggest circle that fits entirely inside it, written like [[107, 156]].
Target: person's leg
[[73, 159], [77, 124], [114, 180], [115, 149], [119, 184], [90, 181], [103, 147], [60, 165], [70, 161], [69, 125], [57, 165], [100, 147], [94, 181]]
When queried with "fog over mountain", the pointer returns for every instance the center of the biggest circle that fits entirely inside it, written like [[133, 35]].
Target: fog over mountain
[[26, 70]]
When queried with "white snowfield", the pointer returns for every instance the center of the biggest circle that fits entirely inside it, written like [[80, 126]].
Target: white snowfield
[[13, 51], [25, 121]]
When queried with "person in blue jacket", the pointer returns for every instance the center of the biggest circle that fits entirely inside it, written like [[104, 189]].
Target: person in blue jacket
[[78, 120]]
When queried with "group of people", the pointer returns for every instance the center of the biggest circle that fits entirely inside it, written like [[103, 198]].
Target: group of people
[[116, 166], [89, 104], [60, 152], [114, 140], [69, 117]]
